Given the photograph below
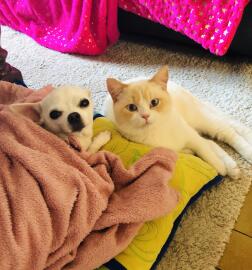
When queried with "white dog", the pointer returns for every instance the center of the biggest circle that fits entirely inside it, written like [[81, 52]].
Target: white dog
[[66, 111]]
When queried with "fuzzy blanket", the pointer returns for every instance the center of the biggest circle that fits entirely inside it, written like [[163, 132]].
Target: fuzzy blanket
[[61, 209]]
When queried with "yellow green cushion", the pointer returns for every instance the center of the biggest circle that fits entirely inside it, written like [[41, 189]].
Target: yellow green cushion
[[190, 176]]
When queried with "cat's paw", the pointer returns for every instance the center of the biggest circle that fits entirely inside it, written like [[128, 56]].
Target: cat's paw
[[221, 168], [232, 168], [234, 172]]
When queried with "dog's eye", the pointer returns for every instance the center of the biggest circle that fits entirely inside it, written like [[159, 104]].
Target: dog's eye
[[154, 102], [55, 114], [84, 103], [132, 107]]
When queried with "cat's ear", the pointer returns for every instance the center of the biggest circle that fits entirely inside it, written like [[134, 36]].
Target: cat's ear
[[30, 110], [115, 88], [161, 77]]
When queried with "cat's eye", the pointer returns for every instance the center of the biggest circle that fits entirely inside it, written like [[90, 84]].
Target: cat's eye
[[154, 102], [84, 103], [55, 114], [132, 107]]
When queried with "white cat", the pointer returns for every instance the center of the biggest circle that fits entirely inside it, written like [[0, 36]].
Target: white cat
[[161, 113]]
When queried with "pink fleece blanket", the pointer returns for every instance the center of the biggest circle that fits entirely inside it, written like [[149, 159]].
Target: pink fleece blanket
[[211, 23], [61, 209]]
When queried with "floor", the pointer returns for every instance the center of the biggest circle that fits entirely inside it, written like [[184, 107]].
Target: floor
[[238, 252]]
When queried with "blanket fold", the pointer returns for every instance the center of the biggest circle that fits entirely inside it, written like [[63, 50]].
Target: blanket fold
[[61, 209]]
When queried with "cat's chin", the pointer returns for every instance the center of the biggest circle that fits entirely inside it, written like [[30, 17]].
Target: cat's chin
[[146, 125]]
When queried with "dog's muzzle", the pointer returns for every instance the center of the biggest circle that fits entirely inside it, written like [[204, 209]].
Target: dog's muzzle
[[75, 121]]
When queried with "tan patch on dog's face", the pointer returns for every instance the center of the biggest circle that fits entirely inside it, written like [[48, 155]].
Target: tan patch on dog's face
[[141, 94]]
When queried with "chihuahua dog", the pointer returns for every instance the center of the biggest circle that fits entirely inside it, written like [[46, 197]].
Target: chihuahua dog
[[67, 112]]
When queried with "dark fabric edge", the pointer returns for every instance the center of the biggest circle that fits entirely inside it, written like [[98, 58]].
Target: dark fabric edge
[[114, 265], [97, 115], [20, 83]]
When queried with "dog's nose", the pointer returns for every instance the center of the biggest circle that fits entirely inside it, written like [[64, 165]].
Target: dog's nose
[[75, 121], [74, 118]]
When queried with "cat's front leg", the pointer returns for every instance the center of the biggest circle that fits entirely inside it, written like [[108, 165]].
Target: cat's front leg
[[212, 122], [245, 148], [232, 168], [202, 148]]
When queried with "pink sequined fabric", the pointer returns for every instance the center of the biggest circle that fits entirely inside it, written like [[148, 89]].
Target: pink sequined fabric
[[212, 23], [88, 27], [74, 26]]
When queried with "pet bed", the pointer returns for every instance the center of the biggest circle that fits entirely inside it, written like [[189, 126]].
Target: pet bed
[[192, 176]]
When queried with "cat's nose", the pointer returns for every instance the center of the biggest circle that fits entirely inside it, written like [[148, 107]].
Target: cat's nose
[[145, 116]]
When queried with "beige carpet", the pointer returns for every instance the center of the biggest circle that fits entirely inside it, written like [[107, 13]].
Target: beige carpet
[[205, 230]]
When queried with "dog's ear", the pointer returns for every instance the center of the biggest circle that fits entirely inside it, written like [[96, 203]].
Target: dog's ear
[[115, 88], [30, 110]]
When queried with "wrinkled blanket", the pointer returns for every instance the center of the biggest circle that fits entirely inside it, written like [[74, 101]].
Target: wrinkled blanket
[[76, 26], [61, 209], [211, 23]]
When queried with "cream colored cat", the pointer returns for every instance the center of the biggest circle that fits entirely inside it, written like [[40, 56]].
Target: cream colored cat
[[160, 113]]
